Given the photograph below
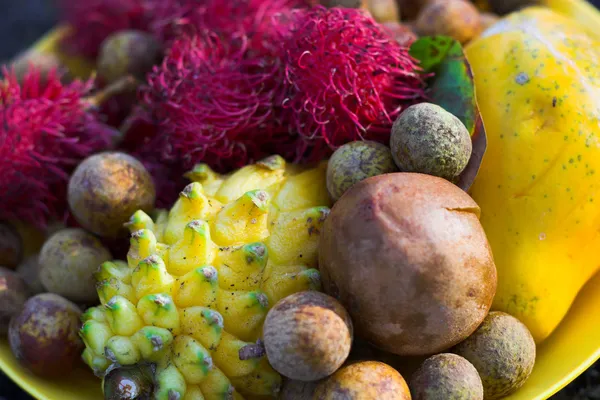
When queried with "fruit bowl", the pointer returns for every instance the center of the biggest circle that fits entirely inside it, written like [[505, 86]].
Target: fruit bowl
[[569, 351]]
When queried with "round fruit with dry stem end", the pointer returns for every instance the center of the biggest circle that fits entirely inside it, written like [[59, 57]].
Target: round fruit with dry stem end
[[13, 295], [364, 380], [487, 20], [503, 7], [307, 335], [458, 19], [43, 337], [427, 275], [503, 352], [128, 53], [68, 261], [106, 189], [297, 390], [29, 270], [384, 10], [429, 140], [11, 246], [446, 377], [355, 161], [128, 383]]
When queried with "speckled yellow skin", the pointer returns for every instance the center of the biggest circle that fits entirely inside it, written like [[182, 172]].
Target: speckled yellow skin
[[537, 81], [198, 282]]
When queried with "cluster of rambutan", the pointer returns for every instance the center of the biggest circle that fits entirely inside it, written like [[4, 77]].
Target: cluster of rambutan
[[46, 129], [241, 80]]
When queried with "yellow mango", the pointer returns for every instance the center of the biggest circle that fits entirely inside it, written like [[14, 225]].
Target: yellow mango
[[538, 87], [579, 10]]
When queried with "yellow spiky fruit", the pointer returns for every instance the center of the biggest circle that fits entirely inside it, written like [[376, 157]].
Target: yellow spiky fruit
[[199, 280]]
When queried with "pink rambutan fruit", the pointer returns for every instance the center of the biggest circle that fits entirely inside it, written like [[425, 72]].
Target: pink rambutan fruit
[[346, 79], [259, 22], [208, 102], [92, 21], [46, 128]]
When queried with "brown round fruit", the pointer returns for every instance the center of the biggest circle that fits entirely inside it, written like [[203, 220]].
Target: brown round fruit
[[307, 336], [445, 377], [366, 380], [458, 19], [106, 189], [503, 352], [44, 336], [409, 9], [407, 256], [29, 270], [128, 53], [401, 32], [13, 295], [68, 261], [11, 246], [43, 62]]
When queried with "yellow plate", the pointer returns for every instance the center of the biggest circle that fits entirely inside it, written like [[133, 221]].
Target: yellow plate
[[571, 349]]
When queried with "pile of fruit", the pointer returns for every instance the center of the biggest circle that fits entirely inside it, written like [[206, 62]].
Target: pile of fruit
[[261, 199]]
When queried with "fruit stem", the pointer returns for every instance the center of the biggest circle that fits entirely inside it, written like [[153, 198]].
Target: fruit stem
[[252, 351], [123, 85]]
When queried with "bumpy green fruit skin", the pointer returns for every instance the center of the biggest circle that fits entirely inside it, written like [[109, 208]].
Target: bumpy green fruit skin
[[43, 337], [68, 261], [503, 352], [13, 295], [446, 377], [106, 189], [427, 139], [354, 162], [128, 53]]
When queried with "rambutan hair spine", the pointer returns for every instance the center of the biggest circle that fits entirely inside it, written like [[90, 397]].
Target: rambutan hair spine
[[46, 128], [346, 79], [210, 101]]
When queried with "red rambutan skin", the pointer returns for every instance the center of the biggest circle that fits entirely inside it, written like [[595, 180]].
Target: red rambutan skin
[[46, 129], [346, 79], [208, 102], [92, 21]]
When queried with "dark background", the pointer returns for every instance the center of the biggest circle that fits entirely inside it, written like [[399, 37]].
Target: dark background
[[22, 22]]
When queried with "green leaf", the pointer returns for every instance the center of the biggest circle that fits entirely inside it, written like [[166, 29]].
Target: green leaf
[[451, 86]]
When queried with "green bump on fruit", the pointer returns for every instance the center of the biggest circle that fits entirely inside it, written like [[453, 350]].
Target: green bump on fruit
[[170, 384], [204, 325], [98, 364], [122, 350], [95, 335], [192, 359], [355, 161], [243, 312], [109, 288], [142, 244], [113, 269], [256, 253], [197, 288], [272, 163], [503, 352], [159, 310], [122, 316], [93, 313], [152, 342], [429, 140], [151, 276], [446, 377], [139, 220]]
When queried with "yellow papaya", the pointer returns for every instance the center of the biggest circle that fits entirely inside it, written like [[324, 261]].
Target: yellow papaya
[[537, 75], [579, 10]]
